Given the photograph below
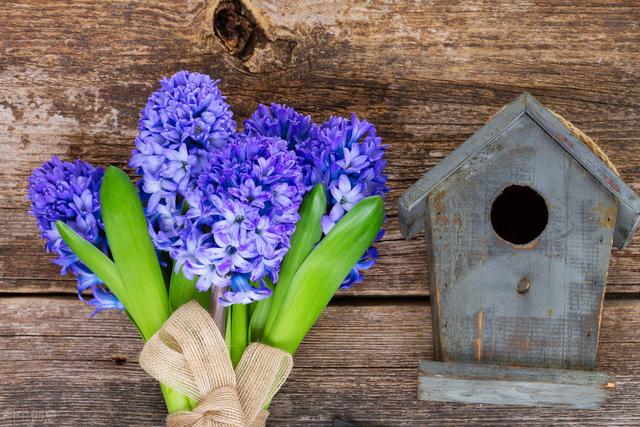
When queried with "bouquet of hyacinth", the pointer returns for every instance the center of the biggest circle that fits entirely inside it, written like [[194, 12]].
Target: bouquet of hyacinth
[[261, 225]]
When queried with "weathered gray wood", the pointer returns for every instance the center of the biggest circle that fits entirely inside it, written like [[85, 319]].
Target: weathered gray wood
[[504, 385], [474, 275], [412, 205], [628, 216]]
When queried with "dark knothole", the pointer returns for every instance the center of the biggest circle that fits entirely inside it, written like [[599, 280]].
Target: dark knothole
[[519, 214], [236, 28]]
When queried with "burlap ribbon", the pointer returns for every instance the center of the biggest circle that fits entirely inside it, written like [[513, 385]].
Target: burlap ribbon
[[189, 355]]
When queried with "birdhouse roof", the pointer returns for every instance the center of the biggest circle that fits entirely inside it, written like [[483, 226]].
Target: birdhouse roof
[[413, 203]]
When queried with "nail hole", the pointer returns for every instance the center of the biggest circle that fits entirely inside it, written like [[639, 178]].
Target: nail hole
[[119, 359]]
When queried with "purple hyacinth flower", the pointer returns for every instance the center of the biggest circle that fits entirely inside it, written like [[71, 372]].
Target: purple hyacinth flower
[[178, 167], [242, 213], [234, 252], [182, 122], [267, 235], [164, 225], [345, 198], [338, 148], [104, 300], [366, 261], [70, 192], [235, 217], [189, 252], [249, 193], [353, 161], [280, 121], [242, 292]]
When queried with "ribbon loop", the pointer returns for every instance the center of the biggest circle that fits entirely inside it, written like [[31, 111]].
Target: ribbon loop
[[261, 372], [188, 354], [220, 407]]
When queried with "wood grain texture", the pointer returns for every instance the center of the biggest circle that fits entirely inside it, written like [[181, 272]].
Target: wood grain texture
[[74, 76], [481, 317], [506, 385], [359, 363]]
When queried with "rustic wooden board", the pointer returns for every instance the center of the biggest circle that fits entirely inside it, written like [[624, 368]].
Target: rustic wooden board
[[507, 385], [73, 78], [480, 315], [359, 363]]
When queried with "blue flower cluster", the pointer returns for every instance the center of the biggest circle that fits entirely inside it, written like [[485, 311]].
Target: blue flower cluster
[[70, 192], [241, 217], [223, 205], [182, 122], [345, 155]]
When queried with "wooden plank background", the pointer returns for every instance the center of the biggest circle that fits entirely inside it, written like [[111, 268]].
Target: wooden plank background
[[74, 75]]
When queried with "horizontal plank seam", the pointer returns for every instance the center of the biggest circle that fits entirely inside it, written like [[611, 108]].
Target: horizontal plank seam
[[337, 299]]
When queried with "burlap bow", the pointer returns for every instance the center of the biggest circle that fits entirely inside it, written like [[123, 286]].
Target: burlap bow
[[189, 354]]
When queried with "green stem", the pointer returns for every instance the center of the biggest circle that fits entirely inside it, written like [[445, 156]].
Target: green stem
[[239, 331], [183, 290], [175, 400], [227, 329], [259, 311]]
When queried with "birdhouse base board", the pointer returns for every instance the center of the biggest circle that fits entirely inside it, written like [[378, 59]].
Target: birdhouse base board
[[507, 385]]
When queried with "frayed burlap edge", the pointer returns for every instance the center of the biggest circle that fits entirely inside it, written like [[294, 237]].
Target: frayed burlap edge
[[588, 141]]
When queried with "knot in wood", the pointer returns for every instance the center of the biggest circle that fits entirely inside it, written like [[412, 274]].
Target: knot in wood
[[235, 28], [523, 286]]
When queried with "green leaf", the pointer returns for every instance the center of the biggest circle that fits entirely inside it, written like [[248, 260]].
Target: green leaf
[[321, 274], [183, 290], [308, 232], [135, 278], [133, 252], [92, 257]]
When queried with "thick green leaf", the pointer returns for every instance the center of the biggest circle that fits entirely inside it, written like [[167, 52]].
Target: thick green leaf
[[92, 257], [308, 232], [137, 263], [135, 278], [133, 252], [321, 274], [183, 290], [97, 262]]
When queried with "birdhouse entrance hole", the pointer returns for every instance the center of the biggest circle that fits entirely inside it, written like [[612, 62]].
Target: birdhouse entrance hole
[[519, 214]]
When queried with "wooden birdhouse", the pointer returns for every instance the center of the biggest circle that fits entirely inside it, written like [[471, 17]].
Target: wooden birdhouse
[[519, 223]]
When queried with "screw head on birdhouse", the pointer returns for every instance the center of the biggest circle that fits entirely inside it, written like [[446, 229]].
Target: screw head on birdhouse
[[519, 223]]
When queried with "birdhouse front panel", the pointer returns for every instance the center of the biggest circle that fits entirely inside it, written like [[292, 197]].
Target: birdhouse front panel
[[519, 238]]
